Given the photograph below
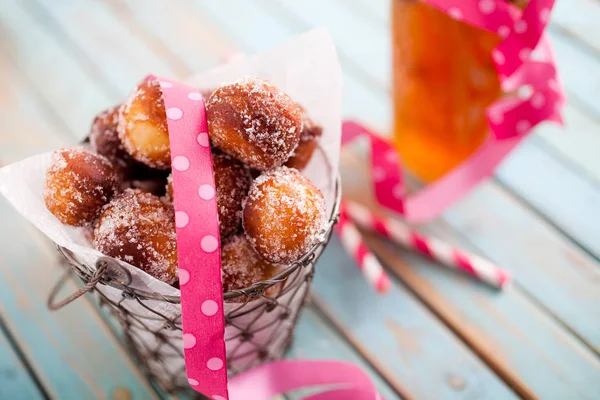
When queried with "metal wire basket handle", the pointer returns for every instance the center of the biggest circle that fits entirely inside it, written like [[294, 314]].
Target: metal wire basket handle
[[107, 272]]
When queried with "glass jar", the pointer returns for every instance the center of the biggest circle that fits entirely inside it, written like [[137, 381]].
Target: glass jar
[[443, 80]]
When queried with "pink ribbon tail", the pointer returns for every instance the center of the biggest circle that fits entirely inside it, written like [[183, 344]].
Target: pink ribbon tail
[[342, 381]]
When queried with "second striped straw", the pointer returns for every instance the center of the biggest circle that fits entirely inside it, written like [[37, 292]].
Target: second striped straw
[[436, 249]]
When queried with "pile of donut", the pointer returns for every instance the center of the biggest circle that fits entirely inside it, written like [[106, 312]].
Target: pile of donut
[[119, 188]]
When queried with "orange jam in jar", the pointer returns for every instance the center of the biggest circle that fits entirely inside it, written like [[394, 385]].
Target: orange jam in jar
[[443, 80]]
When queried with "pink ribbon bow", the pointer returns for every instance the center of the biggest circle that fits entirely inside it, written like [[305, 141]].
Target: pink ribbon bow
[[509, 119]]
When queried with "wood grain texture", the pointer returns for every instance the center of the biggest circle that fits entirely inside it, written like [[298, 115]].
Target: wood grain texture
[[47, 338], [119, 58], [496, 332], [15, 380], [497, 325], [397, 334], [576, 145], [579, 18], [47, 64], [314, 339], [21, 111], [71, 351], [189, 39], [566, 198], [560, 277]]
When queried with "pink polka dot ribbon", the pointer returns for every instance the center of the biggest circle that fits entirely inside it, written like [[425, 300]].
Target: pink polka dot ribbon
[[524, 60], [200, 276], [198, 238]]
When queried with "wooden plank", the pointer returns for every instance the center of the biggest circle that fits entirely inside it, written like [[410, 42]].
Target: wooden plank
[[51, 68], [564, 197], [232, 20], [576, 144], [571, 59], [315, 339], [20, 111], [30, 128], [163, 25], [562, 278], [92, 364], [579, 18], [497, 324], [104, 45], [399, 336], [491, 331], [15, 380]]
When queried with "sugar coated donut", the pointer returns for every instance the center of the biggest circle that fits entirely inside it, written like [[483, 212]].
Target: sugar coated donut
[[254, 122], [232, 181], [309, 141], [142, 126], [242, 267], [283, 215], [78, 183], [104, 138], [137, 227]]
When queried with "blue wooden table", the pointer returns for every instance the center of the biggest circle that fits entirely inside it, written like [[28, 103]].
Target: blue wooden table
[[437, 334]]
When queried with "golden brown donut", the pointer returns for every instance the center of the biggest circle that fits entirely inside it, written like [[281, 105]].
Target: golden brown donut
[[105, 141], [309, 141], [232, 181], [254, 122], [104, 138], [143, 128], [78, 183], [242, 267], [137, 227], [283, 215]]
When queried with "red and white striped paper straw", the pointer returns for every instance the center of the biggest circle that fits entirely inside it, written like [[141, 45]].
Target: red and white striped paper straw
[[434, 248], [354, 244]]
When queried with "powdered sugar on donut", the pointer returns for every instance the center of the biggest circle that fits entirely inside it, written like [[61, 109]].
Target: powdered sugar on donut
[[138, 228], [143, 128], [78, 183], [241, 266], [255, 122], [283, 215]]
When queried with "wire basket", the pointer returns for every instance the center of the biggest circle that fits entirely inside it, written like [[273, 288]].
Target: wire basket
[[259, 319]]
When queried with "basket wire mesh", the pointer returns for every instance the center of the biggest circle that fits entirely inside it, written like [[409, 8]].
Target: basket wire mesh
[[259, 319]]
